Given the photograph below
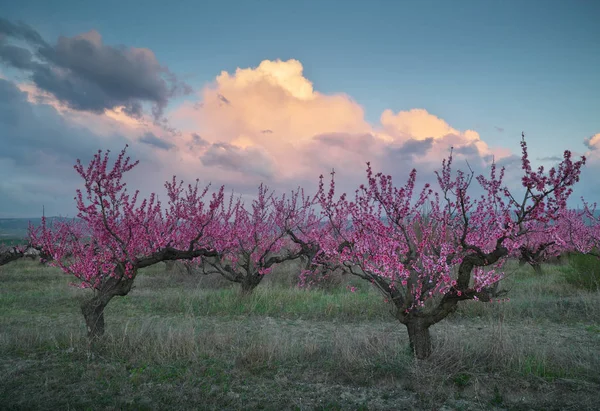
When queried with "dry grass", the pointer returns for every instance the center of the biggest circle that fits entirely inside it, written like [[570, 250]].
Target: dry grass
[[175, 343]]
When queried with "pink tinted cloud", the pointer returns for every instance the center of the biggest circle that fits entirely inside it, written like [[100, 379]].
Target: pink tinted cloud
[[593, 142], [300, 132], [268, 123]]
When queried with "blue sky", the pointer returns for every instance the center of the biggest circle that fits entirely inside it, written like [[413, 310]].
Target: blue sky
[[495, 67]]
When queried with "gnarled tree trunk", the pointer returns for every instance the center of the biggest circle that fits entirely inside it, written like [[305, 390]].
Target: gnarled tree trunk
[[419, 338], [93, 309], [537, 267], [249, 283], [418, 322], [93, 312]]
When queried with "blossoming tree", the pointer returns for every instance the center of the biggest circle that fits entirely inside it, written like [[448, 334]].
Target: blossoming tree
[[544, 240], [590, 243], [115, 234], [424, 263], [316, 237], [258, 237]]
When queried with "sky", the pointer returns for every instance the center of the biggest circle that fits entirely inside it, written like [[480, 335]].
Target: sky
[[279, 92]]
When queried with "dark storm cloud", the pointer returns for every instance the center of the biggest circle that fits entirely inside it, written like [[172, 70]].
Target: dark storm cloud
[[16, 57], [88, 75], [157, 142], [38, 149], [26, 129], [416, 147], [408, 151], [350, 142], [198, 141], [246, 160], [21, 31], [469, 150], [134, 109]]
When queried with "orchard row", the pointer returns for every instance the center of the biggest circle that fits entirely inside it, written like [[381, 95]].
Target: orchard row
[[425, 248]]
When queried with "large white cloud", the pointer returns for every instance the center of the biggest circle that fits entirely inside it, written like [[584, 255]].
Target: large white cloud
[[268, 124], [275, 109]]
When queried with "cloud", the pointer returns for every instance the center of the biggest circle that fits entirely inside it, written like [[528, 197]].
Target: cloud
[[591, 170], [274, 108], [468, 150], [416, 147], [199, 141], [16, 57], [245, 160], [415, 124], [87, 75], [40, 144], [26, 129], [429, 139], [21, 31], [152, 140], [550, 158], [418, 125], [262, 124], [347, 153], [274, 96], [39, 148], [593, 142], [357, 143], [510, 162]]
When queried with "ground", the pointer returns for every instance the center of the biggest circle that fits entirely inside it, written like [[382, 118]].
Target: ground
[[181, 342]]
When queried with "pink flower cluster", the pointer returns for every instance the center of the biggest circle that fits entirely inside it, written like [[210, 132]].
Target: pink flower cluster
[[415, 245], [114, 234]]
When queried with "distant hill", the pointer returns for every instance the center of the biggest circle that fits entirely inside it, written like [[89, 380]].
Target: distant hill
[[16, 228]]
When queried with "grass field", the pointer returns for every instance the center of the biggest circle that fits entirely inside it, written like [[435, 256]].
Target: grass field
[[191, 342]]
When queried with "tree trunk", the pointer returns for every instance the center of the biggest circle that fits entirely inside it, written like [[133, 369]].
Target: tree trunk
[[248, 287], [419, 338], [93, 312], [93, 309], [249, 283], [537, 267]]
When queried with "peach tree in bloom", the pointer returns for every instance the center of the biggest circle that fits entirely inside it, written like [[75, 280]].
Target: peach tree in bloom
[[545, 240], [116, 233], [428, 249], [258, 237], [317, 237], [590, 244]]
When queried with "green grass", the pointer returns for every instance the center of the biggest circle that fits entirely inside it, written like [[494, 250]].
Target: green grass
[[583, 272], [181, 342]]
